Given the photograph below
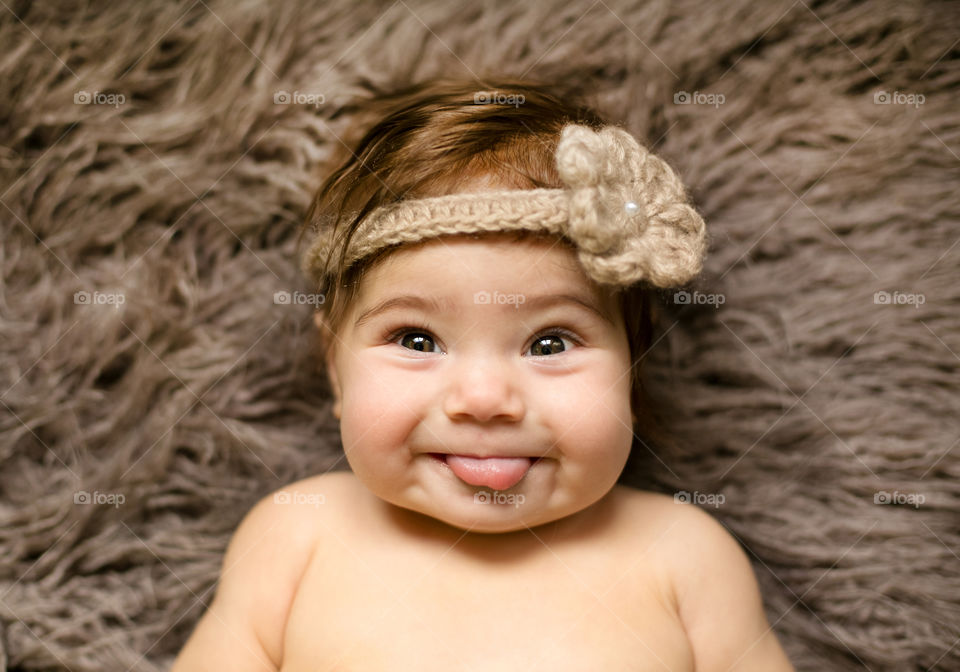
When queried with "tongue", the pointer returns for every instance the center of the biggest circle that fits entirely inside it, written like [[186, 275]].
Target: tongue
[[497, 473]]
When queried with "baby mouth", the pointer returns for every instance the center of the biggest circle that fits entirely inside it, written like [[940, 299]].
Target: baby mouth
[[496, 473]]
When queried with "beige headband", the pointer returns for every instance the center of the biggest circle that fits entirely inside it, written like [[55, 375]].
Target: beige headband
[[624, 209]]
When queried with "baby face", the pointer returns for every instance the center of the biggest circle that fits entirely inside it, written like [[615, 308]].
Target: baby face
[[484, 382]]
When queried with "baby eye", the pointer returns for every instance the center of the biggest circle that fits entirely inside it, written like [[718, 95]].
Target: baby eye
[[551, 343], [416, 338]]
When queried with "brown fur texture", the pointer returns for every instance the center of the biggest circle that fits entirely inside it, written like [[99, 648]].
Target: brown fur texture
[[800, 399]]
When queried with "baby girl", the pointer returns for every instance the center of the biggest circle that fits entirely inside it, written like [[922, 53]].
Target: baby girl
[[487, 261]]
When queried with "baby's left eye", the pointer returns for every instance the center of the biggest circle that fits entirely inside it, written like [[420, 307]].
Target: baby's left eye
[[550, 344]]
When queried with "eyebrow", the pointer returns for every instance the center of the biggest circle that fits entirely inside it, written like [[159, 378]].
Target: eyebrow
[[440, 305]]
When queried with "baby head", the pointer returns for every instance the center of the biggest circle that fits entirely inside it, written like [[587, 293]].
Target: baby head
[[487, 264]]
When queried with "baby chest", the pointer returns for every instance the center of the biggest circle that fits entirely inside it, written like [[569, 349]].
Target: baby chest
[[370, 614]]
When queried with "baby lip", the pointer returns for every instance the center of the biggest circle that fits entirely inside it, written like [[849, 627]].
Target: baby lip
[[443, 456]]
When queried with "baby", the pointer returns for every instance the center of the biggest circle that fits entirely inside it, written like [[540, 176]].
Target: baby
[[487, 262]]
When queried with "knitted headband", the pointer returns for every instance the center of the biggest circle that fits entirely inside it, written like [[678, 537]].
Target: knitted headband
[[624, 209]]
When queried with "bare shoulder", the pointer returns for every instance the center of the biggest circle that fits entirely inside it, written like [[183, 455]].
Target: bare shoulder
[[339, 484], [655, 513], [673, 536], [307, 509], [671, 517], [271, 550], [264, 562], [710, 579], [692, 542]]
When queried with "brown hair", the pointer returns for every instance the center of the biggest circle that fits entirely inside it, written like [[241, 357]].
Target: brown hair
[[431, 139]]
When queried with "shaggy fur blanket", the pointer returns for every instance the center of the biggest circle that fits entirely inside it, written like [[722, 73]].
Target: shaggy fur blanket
[[151, 389]]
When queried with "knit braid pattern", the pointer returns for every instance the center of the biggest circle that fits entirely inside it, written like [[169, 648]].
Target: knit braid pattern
[[624, 209]]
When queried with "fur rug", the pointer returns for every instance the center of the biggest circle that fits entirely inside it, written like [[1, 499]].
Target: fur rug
[[144, 162]]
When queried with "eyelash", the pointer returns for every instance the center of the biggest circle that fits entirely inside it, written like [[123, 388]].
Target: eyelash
[[418, 327]]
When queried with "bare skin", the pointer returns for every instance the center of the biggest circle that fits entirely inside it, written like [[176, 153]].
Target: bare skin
[[481, 527], [623, 585]]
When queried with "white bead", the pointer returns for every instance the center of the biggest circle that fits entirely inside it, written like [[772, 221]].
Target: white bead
[[631, 207]]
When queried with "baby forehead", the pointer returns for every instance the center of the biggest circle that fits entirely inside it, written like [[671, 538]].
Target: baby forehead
[[483, 300], [505, 254], [470, 288], [449, 272], [498, 259]]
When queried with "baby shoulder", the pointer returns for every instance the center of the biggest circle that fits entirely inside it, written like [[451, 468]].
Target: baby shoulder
[[317, 491], [713, 584], [271, 550], [280, 532], [687, 540], [679, 521]]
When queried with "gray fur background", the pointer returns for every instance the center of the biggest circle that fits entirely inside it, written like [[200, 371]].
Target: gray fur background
[[802, 400]]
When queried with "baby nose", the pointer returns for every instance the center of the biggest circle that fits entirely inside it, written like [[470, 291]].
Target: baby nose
[[484, 389]]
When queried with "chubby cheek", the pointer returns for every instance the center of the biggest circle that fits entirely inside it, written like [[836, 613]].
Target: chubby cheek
[[378, 414], [594, 419]]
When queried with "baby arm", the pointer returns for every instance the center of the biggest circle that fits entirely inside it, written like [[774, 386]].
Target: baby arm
[[720, 604], [243, 629]]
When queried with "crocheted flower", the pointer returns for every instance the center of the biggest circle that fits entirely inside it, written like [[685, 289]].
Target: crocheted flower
[[629, 214]]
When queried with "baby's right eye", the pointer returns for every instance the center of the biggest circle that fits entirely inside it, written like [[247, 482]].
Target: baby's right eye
[[413, 337], [416, 340]]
